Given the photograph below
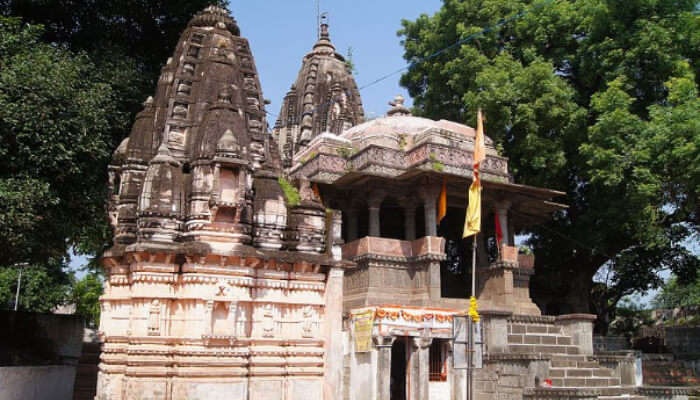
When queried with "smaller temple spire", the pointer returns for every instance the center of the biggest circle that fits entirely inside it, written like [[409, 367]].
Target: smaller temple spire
[[324, 45], [228, 144], [163, 155]]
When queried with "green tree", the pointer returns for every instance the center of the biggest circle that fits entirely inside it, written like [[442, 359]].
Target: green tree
[[85, 294], [597, 98], [56, 117], [42, 288], [674, 294], [55, 150]]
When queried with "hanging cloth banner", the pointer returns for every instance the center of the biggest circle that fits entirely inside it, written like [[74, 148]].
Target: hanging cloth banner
[[363, 322]]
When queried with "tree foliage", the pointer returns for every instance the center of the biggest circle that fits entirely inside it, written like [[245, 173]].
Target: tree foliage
[[85, 294], [597, 98], [675, 294], [42, 288], [72, 76], [56, 115]]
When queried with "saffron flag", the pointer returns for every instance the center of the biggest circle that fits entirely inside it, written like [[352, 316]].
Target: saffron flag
[[442, 204], [472, 221], [317, 192]]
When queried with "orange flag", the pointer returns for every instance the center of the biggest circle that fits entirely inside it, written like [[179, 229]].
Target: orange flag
[[442, 204], [317, 192], [472, 221]]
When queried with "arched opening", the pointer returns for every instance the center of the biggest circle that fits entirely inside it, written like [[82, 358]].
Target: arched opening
[[391, 219], [438, 361], [399, 364]]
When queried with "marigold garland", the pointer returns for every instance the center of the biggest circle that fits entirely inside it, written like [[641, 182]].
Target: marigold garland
[[473, 313], [394, 315]]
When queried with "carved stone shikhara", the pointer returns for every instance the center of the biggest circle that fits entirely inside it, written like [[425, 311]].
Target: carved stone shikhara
[[324, 98], [215, 285]]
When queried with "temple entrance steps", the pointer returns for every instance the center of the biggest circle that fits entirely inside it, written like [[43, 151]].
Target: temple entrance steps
[[85, 386], [539, 338], [573, 373], [626, 393], [579, 371]]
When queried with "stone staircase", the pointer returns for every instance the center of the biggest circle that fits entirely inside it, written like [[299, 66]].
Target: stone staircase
[[86, 375], [573, 375], [665, 370]]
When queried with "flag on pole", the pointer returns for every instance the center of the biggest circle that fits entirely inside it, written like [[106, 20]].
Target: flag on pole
[[472, 221], [442, 204]]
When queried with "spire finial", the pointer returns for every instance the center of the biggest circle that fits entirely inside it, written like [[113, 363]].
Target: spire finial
[[397, 107], [323, 33]]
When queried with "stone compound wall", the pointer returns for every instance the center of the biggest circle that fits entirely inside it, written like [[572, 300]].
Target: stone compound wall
[[610, 343], [38, 355], [684, 342], [50, 382]]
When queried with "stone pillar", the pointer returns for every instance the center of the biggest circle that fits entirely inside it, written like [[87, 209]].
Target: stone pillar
[[409, 213], [352, 213], [580, 328], [501, 209], [457, 378], [333, 326], [420, 368], [383, 345], [429, 195], [374, 203]]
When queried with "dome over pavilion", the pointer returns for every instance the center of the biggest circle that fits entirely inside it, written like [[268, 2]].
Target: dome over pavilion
[[401, 130]]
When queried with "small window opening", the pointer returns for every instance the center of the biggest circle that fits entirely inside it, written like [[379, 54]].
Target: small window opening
[[438, 361]]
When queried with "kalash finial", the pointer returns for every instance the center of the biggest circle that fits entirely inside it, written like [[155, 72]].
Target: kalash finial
[[397, 107], [324, 45], [324, 27]]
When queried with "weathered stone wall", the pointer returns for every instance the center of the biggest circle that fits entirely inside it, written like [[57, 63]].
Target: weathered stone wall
[[610, 343], [48, 382], [39, 339], [502, 379], [683, 341], [38, 354], [665, 370]]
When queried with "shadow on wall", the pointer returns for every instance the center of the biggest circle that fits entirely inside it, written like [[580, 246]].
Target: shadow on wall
[[39, 339]]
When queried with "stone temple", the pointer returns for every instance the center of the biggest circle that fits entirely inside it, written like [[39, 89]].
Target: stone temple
[[307, 262]]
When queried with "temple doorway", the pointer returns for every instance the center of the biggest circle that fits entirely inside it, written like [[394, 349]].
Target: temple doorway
[[397, 385]]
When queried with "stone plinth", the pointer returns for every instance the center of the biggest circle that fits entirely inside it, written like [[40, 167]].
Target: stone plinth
[[505, 285], [580, 328], [392, 271]]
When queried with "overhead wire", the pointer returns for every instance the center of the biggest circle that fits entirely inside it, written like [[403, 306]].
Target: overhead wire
[[460, 42]]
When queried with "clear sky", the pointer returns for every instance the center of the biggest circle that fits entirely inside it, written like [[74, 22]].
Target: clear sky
[[281, 32]]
